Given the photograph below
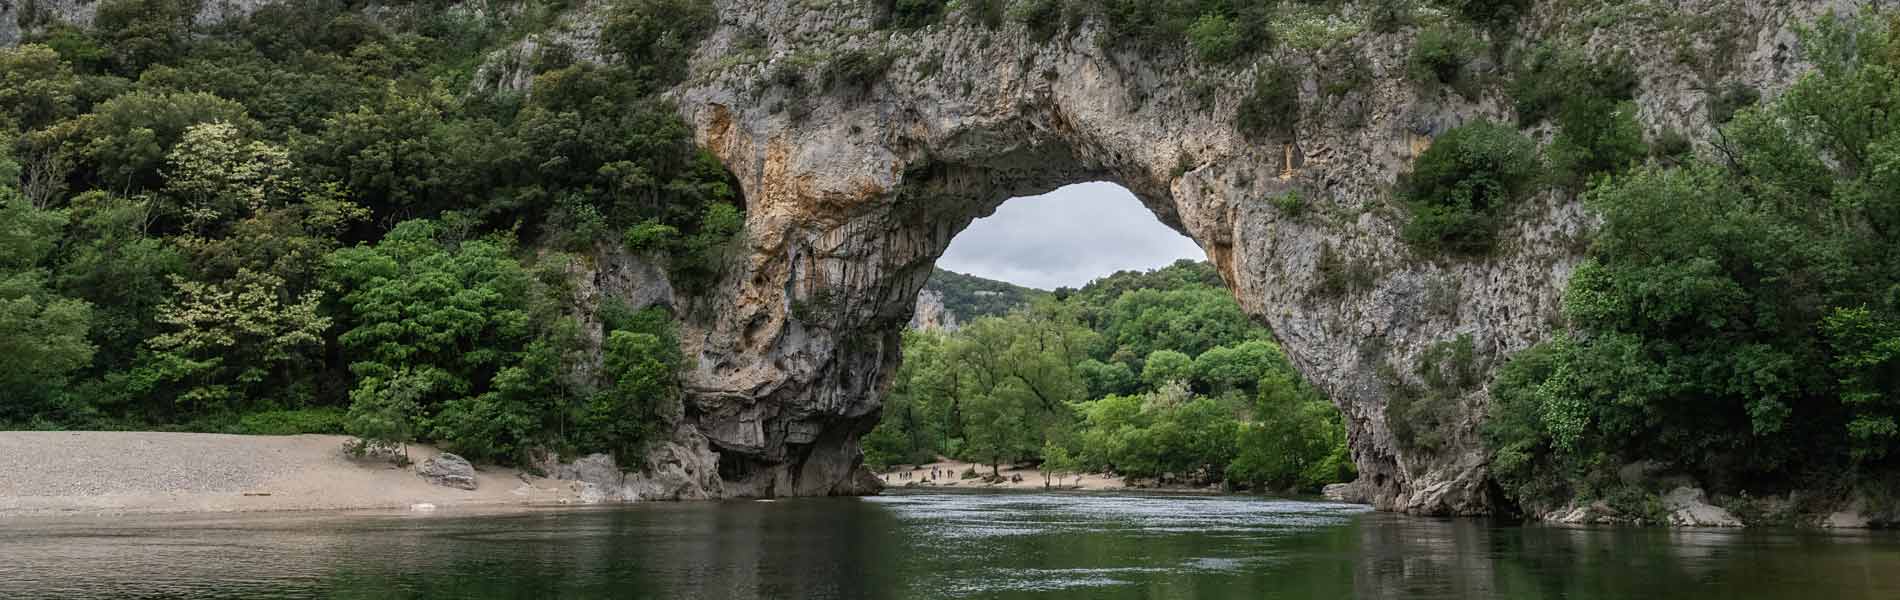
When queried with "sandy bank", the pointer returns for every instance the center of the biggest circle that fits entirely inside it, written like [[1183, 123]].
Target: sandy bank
[[947, 473], [44, 473]]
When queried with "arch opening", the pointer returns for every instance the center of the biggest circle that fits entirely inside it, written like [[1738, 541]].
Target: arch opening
[[1051, 322]]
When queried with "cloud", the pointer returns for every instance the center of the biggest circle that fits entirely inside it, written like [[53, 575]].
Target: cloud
[[1066, 238]]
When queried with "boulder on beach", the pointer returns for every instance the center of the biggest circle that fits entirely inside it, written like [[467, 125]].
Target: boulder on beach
[[448, 470]]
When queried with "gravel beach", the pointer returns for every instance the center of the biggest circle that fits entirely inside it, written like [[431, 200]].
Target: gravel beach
[[143, 472]]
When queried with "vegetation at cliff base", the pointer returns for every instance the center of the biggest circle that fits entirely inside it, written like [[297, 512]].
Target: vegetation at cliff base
[[1738, 318], [1153, 375], [311, 220]]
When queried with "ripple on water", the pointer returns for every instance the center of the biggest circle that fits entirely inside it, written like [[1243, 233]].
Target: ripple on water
[[965, 526]]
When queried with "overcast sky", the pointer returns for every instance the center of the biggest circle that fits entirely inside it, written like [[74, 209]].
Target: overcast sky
[[1066, 238]]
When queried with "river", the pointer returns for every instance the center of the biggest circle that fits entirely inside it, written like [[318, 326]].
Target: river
[[924, 546]]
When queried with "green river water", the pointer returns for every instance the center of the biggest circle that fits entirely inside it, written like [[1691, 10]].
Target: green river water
[[924, 546]]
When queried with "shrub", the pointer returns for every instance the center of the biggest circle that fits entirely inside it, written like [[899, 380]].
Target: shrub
[[1340, 276], [1491, 12], [913, 14], [1421, 415], [1672, 145], [1290, 203], [702, 257], [1214, 38], [1440, 55], [857, 70], [650, 236], [1043, 18], [1730, 99], [656, 37], [1551, 78], [384, 410], [626, 416], [1272, 110], [1388, 16], [1596, 137], [1462, 185]]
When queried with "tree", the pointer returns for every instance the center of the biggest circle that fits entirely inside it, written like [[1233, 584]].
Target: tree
[[656, 37], [1735, 319], [384, 411], [37, 89], [232, 343], [215, 175], [464, 314], [642, 398], [1295, 440], [1464, 184], [1223, 369], [1165, 366], [123, 143], [1058, 463], [42, 333]]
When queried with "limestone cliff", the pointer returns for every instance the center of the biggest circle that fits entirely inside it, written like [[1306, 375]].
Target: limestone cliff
[[853, 192], [931, 314]]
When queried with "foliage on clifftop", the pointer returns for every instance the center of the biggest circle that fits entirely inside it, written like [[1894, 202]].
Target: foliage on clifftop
[[256, 225]]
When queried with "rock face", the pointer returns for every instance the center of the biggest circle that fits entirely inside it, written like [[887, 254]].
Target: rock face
[[683, 468], [1345, 492], [931, 314], [854, 191], [1689, 507], [448, 470]]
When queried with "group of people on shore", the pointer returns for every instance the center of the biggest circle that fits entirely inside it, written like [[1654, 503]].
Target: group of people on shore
[[933, 475]]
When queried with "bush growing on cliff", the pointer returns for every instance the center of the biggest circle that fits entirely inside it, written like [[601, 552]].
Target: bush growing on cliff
[[857, 71], [1215, 38], [1551, 77], [1439, 58], [913, 14], [1464, 184], [1420, 414], [656, 37], [1737, 322], [1491, 12], [1271, 111]]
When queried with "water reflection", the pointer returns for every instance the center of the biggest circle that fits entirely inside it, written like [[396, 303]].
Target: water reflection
[[924, 546]]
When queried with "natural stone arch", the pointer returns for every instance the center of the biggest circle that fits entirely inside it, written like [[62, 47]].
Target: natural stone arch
[[851, 202]]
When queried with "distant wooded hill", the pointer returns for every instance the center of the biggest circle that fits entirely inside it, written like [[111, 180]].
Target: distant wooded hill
[[969, 296]]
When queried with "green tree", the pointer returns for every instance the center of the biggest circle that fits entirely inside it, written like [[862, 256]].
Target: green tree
[[232, 344], [1734, 321], [1167, 366], [122, 144], [1463, 186], [37, 89], [656, 37], [42, 333], [642, 398], [384, 411]]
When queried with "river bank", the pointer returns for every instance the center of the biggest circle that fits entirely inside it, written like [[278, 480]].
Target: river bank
[[61, 473], [950, 474]]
